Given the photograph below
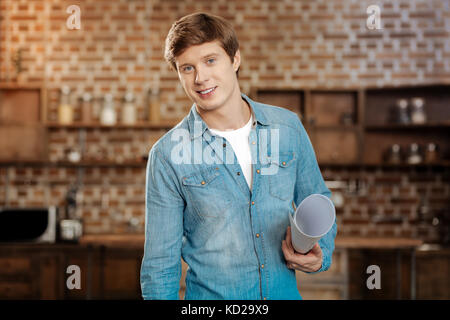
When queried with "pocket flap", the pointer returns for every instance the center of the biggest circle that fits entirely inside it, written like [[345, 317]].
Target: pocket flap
[[201, 178], [283, 159]]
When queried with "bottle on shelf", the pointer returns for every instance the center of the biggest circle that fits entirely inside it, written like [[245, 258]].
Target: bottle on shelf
[[432, 153], [414, 156], [86, 112], [129, 109], [402, 112], [154, 106], [65, 109], [394, 154], [96, 109], [418, 115], [108, 116]]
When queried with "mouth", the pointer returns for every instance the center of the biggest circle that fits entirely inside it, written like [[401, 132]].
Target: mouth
[[207, 92]]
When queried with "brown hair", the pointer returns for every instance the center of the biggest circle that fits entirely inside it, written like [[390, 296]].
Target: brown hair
[[198, 28]]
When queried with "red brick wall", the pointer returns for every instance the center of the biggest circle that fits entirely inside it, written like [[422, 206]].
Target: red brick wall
[[295, 44]]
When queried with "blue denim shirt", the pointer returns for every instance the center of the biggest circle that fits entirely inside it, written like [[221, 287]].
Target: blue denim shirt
[[199, 208]]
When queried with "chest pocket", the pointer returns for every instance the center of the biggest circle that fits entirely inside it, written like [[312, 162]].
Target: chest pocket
[[282, 181], [206, 191]]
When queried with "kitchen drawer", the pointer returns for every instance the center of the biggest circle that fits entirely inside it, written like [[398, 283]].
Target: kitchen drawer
[[14, 266], [15, 290]]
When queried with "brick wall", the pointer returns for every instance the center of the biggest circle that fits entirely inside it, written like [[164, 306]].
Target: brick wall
[[295, 44]]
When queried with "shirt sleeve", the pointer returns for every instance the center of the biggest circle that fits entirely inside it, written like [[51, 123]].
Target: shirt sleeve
[[164, 206], [309, 181]]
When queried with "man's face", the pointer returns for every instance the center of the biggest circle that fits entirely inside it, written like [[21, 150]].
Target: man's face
[[205, 67]]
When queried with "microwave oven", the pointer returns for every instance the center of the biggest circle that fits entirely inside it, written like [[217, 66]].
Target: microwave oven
[[28, 224]]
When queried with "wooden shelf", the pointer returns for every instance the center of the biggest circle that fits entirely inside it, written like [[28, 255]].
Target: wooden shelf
[[336, 127], [91, 126], [46, 163], [441, 164], [438, 126]]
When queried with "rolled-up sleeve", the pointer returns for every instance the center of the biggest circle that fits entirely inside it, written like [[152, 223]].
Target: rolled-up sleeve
[[164, 206], [309, 181]]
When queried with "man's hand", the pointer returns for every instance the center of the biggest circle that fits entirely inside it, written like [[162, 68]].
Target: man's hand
[[309, 262]]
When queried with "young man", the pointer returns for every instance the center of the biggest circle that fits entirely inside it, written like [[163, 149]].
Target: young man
[[221, 184]]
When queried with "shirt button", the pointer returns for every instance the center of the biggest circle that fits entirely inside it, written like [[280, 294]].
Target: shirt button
[[224, 145], [253, 202], [284, 163], [257, 235], [257, 171], [238, 173], [262, 266], [253, 142], [265, 298], [203, 182]]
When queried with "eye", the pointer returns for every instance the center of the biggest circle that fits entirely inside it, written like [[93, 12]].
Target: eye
[[212, 59], [186, 69]]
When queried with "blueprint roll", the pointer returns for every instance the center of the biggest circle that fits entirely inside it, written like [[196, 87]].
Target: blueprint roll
[[312, 219]]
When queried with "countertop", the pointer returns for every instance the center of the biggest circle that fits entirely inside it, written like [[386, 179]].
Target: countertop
[[136, 240], [377, 243]]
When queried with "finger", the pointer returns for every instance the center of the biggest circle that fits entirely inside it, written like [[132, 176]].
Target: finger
[[316, 250], [288, 237], [284, 248], [288, 233], [290, 245]]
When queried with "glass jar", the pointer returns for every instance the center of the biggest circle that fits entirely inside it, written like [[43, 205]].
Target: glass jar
[[86, 112], [414, 156], [108, 116], [154, 106], [418, 115], [432, 153], [129, 110], [65, 109], [402, 112], [394, 154]]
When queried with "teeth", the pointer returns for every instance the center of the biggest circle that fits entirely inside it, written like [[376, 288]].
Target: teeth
[[207, 91]]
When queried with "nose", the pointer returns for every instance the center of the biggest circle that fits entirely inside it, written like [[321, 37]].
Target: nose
[[201, 76]]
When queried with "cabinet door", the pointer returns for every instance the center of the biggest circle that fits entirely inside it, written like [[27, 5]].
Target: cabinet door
[[89, 263], [335, 146], [17, 278], [22, 135], [332, 108], [121, 274]]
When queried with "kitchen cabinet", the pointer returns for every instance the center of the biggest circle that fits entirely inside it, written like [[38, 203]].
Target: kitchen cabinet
[[39, 271], [354, 127], [22, 134], [329, 285], [382, 128], [110, 269]]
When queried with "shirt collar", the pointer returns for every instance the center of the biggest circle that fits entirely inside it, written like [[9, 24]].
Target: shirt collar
[[193, 118]]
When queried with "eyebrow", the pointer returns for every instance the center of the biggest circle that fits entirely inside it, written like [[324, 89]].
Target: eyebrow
[[204, 57]]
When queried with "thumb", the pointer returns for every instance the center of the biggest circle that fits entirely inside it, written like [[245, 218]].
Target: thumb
[[316, 249]]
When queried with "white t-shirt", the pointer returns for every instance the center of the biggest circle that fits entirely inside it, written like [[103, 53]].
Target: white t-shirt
[[241, 147]]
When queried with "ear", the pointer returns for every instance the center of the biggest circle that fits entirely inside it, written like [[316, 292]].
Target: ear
[[237, 60]]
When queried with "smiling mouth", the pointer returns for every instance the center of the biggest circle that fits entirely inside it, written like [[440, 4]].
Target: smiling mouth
[[204, 92]]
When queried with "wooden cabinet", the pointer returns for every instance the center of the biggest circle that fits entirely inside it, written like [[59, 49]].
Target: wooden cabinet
[[383, 130], [22, 134], [332, 119], [37, 271], [355, 126], [329, 285], [433, 274]]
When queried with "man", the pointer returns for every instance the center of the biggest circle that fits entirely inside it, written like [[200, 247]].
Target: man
[[221, 184]]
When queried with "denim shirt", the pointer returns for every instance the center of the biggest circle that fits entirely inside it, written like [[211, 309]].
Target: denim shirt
[[200, 208]]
